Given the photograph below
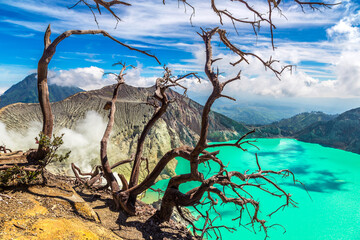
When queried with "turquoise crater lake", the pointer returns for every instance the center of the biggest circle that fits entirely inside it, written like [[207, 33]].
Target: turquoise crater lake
[[331, 176]]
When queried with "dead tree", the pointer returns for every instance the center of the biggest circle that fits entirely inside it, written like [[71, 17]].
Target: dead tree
[[105, 169], [42, 73], [102, 3], [126, 197], [201, 152], [160, 101], [4, 149], [104, 141]]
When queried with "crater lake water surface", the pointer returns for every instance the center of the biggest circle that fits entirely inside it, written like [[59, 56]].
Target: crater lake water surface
[[331, 176]]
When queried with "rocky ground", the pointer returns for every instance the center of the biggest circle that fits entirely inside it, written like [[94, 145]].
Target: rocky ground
[[59, 211]]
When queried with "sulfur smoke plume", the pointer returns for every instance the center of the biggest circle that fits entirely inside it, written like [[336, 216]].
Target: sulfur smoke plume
[[83, 141]]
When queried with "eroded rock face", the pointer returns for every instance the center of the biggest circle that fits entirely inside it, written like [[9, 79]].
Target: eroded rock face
[[180, 125]]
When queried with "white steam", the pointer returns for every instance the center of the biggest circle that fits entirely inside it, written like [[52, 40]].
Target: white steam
[[19, 141], [83, 141]]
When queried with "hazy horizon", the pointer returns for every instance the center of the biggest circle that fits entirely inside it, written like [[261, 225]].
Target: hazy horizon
[[290, 105]]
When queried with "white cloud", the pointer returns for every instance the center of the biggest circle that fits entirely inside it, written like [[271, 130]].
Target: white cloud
[[94, 60], [195, 88], [154, 23], [39, 27], [346, 34], [346, 29], [2, 90], [87, 78], [291, 85], [151, 20], [133, 77], [25, 35], [90, 78], [348, 73]]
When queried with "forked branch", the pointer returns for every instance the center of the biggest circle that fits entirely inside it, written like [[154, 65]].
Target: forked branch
[[102, 3], [49, 51], [160, 101], [4, 149]]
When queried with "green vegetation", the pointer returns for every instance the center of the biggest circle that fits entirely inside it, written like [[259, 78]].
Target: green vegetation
[[51, 146], [19, 175]]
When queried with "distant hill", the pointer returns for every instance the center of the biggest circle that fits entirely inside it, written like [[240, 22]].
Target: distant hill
[[26, 92], [337, 131], [341, 132], [288, 127], [292, 125], [254, 114]]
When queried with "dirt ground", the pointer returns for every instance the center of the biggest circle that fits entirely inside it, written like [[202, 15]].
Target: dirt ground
[[57, 211]]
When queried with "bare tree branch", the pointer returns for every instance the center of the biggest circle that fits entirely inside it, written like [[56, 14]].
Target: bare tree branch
[[49, 51]]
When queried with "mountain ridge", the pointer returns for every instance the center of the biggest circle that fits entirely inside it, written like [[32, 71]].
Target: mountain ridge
[[183, 120], [179, 125], [341, 132], [25, 91], [298, 122]]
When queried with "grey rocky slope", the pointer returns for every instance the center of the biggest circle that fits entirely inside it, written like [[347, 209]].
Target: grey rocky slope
[[180, 125]]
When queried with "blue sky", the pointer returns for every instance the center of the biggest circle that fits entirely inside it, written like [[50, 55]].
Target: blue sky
[[324, 45]]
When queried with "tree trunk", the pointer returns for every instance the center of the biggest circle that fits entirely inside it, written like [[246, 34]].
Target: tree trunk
[[43, 93], [167, 206], [49, 51], [44, 100], [159, 111], [103, 150]]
